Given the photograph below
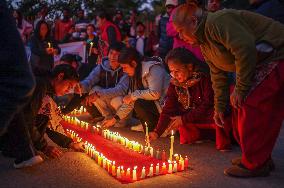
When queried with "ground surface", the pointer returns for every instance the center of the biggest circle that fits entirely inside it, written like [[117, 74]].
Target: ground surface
[[78, 170]]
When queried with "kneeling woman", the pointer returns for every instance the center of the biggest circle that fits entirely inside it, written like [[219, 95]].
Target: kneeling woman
[[189, 105], [148, 84]]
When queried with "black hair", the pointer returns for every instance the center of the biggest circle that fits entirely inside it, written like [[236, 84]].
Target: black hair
[[183, 56], [37, 29], [19, 19], [117, 46], [91, 25], [103, 14], [129, 54], [140, 23], [69, 72], [69, 58]]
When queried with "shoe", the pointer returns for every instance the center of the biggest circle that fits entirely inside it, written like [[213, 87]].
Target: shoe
[[238, 161], [28, 163], [138, 128], [242, 172]]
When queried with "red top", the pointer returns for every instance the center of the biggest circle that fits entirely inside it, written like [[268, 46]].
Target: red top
[[202, 98], [62, 28], [104, 35]]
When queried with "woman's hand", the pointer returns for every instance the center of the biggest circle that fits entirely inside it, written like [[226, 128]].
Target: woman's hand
[[53, 152], [49, 51], [77, 146], [108, 123], [127, 99], [89, 100], [153, 136]]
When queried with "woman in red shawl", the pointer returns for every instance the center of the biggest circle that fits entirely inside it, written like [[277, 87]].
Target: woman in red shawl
[[189, 105]]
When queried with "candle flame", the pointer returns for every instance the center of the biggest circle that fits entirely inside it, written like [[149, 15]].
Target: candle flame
[[172, 132]]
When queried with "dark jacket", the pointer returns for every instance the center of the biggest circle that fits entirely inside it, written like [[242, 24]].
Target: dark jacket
[[40, 60], [201, 105], [165, 42], [39, 122], [228, 40], [16, 79]]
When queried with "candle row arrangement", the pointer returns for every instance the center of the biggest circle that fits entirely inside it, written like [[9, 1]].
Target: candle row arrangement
[[117, 138], [131, 174]]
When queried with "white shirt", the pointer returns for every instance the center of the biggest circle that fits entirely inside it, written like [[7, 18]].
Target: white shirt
[[140, 44]]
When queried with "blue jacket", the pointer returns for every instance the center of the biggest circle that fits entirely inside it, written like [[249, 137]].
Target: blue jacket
[[271, 8], [113, 83]]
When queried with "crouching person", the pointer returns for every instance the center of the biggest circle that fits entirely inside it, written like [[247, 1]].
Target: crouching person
[[36, 116], [148, 84], [189, 105], [107, 84]]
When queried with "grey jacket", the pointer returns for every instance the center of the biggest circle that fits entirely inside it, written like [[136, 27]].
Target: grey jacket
[[155, 80], [89, 84]]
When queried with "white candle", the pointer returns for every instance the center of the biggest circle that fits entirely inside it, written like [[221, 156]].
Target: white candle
[[134, 175], [170, 167], [118, 175], [157, 169], [175, 166], [172, 146], [151, 171], [143, 173]]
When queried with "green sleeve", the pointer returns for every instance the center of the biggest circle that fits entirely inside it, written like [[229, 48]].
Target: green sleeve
[[221, 88], [231, 32]]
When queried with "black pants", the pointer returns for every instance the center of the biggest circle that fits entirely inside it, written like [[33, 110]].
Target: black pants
[[146, 111], [17, 141]]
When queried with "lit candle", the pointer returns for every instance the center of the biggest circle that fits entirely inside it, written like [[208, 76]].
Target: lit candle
[[185, 162], [181, 163], [151, 171], [170, 167], [147, 135], [113, 169], [49, 45], [118, 175], [99, 160], [175, 166], [164, 168], [91, 47], [172, 146], [143, 173], [157, 169], [134, 175]]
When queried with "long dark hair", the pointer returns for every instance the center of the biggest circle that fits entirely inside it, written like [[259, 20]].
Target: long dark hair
[[185, 57], [129, 54], [37, 29], [19, 19], [69, 72]]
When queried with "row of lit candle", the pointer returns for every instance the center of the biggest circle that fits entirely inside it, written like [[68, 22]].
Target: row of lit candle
[[178, 165], [117, 138]]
